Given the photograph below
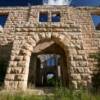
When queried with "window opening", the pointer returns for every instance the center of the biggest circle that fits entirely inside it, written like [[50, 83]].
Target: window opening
[[3, 19], [55, 17], [96, 21], [43, 17]]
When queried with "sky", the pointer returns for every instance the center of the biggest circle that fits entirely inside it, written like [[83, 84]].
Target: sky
[[39, 2], [85, 3]]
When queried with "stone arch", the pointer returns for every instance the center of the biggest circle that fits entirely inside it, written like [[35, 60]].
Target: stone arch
[[61, 39], [22, 50]]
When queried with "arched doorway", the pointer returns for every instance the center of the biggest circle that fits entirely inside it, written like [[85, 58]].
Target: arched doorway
[[48, 66]]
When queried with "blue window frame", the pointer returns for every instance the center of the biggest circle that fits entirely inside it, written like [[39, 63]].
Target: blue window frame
[[55, 17], [43, 17], [3, 19]]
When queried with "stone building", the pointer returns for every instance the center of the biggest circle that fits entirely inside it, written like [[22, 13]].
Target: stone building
[[41, 41]]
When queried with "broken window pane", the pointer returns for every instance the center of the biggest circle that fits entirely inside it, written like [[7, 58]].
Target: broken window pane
[[56, 17]]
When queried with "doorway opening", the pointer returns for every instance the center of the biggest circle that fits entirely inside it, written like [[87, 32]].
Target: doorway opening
[[48, 66]]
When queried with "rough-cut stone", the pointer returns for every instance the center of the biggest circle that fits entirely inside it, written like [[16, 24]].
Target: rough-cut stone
[[21, 64], [18, 58], [75, 34], [76, 76], [10, 77], [74, 84], [13, 63]]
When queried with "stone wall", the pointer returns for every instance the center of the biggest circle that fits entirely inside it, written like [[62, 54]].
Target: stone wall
[[75, 33]]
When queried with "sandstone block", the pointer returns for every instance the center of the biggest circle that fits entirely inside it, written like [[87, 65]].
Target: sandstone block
[[25, 52], [36, 37], [85, 76], [19, 77], [76, 76], [78, 57], [28, 47], [12, 63], [18, 58], [15, 70], [74, 84], [21, 63], [10, 77]]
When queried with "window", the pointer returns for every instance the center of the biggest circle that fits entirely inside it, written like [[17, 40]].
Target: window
[[96, 21], [51, 62], [43, 17], [3, 19], [55, 17]]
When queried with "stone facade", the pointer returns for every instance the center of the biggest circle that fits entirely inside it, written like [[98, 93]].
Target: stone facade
[[75, 34]]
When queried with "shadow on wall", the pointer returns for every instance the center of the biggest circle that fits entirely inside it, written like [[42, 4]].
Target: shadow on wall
[[5, 52], [96, 74]]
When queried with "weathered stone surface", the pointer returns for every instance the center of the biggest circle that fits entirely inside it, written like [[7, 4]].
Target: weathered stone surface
[[18, 58], [74, 84], [28, 47], [16, 70], [25, 52], [19, 77], [76, 76], [13, 63], [21, 63], [10, 77], [74, 33], [79, 57]]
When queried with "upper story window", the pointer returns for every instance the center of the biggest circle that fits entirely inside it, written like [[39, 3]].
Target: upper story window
[[3, 19], [96, 21], [43, 17], [55, 17]]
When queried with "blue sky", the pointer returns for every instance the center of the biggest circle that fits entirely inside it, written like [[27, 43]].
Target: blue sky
[[86, 2], [19, 2], [37, 2]]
